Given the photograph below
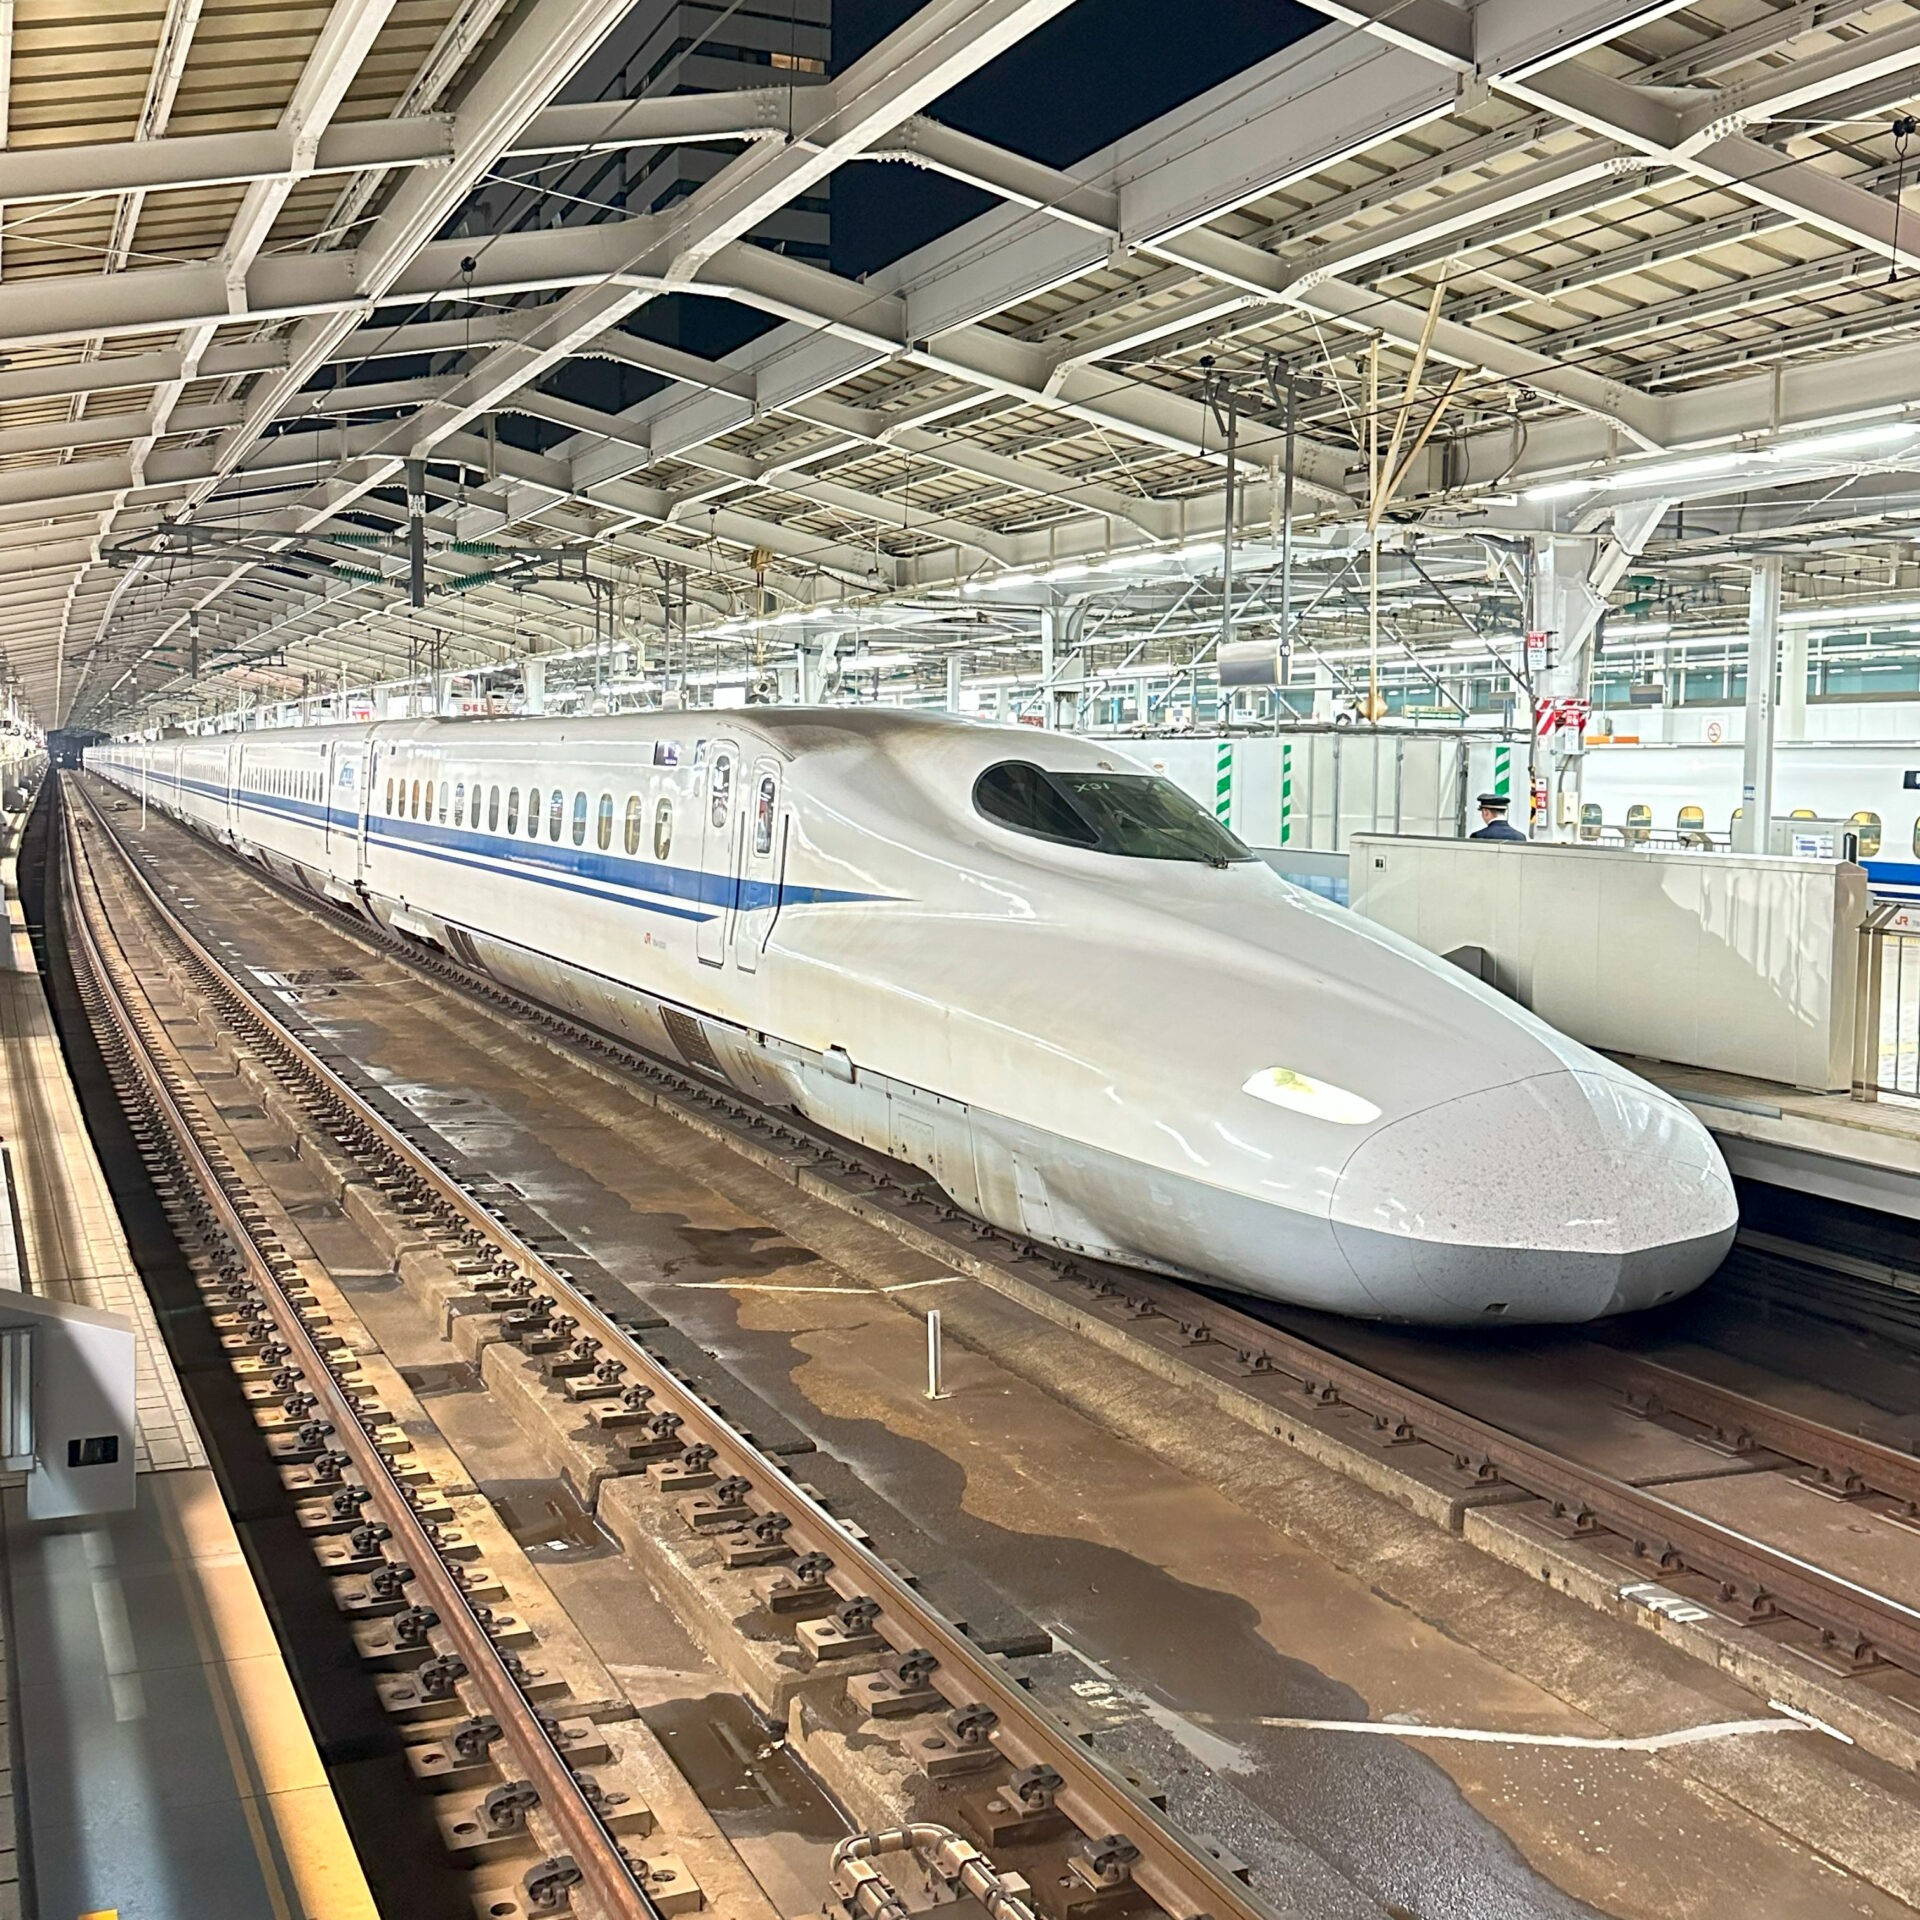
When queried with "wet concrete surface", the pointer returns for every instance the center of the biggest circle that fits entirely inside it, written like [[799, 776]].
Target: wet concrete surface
[[1196, 1620]]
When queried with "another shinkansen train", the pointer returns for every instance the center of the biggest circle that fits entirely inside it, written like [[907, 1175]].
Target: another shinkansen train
[[1873, 787], [1018, 961]]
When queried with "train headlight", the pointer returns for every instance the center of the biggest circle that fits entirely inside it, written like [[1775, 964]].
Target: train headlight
[[1282, 1087]]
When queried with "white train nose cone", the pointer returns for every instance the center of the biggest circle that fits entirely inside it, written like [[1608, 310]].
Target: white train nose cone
[[1564, 1196]]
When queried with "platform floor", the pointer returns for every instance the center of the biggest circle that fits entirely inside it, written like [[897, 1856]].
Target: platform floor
[[74, 1247], [157, 1761]]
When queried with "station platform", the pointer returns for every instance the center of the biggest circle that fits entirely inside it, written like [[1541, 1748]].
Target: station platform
[[157, 1762], [1863, 1152]]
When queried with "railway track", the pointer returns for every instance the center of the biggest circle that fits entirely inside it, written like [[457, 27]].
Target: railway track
[[1289, 1384], [1084, 1837]]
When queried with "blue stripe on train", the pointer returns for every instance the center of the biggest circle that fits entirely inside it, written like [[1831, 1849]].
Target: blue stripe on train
[[565, 868]]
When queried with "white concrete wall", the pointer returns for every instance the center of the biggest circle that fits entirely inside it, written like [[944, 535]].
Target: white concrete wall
[[1317, 790], [1741, 963], [83, 1390]]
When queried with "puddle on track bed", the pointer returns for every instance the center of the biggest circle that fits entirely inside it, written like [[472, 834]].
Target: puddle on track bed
[[546, 1521], [443, 1376]]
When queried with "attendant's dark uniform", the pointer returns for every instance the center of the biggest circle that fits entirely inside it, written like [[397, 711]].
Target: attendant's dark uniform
[[1496, 829]]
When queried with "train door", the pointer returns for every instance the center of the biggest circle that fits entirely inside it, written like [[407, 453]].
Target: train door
[[346, 807], [720, 816], [762, 855]]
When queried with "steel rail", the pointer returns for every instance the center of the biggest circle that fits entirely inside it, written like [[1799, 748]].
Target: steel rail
[[1178, 1875], [1586, 1495], [595, 1850], [1777, 1583], [1864, 1464]]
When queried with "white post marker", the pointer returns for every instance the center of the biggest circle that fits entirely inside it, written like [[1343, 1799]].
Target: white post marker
[[936, 1373]]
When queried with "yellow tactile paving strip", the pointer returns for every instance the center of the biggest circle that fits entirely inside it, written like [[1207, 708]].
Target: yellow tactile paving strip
[[75, 1248]]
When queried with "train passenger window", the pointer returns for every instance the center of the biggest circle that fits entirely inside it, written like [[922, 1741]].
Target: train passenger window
[[513, 809], [1592, 821], [389, 794], [493, 810], [460, 803], [579, 819], [416, 799], [1916, 839], [1867, 826], [556, 813], [1639, 824], [722, 790], [426, 811], [663, 829], [442, 816], [533, 813], [763, 806], [635, 808], [603, 825], [1691, 819]]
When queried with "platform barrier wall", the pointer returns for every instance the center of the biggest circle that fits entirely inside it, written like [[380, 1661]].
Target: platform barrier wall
[[1740, 963]]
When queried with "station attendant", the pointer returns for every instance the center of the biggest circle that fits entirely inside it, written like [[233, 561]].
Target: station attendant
[[1493, 815]]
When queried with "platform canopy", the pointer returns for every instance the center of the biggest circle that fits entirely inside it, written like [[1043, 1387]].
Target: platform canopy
[[282, 285]]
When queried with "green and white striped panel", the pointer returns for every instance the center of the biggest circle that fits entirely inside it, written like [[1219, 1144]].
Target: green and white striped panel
[[1223, 782]]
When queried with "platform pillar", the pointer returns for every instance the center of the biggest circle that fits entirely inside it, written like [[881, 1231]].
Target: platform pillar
[[1751, 832], [533, 676], [1792, 722]]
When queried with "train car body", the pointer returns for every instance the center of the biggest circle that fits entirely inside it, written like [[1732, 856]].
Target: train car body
[[1022, 964], [1863, 782]]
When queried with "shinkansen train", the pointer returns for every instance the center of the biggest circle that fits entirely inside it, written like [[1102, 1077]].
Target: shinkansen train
[[1663, 790], [1018, 961]]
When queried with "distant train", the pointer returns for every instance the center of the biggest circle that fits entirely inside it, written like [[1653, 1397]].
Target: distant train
[[1018, 961], [1663, 790]]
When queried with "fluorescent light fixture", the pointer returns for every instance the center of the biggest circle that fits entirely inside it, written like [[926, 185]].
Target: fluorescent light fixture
[[1319, 1099], [1822, 446], [1864, 615], [1854, 440]]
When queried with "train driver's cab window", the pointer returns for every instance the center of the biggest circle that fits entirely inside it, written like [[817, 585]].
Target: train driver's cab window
[[579, 819], [1639, 825], [721, 790], [764, 797], [1138, 815], [513, 809], [636, 810], [663, 829]]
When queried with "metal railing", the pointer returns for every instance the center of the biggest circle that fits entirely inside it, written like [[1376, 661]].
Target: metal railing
[[1886, 1021]]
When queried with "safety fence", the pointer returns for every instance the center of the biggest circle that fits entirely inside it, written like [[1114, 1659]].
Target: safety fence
[[1886, 1054]]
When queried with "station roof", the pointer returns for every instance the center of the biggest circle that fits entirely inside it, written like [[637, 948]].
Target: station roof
[[1509, 269]]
